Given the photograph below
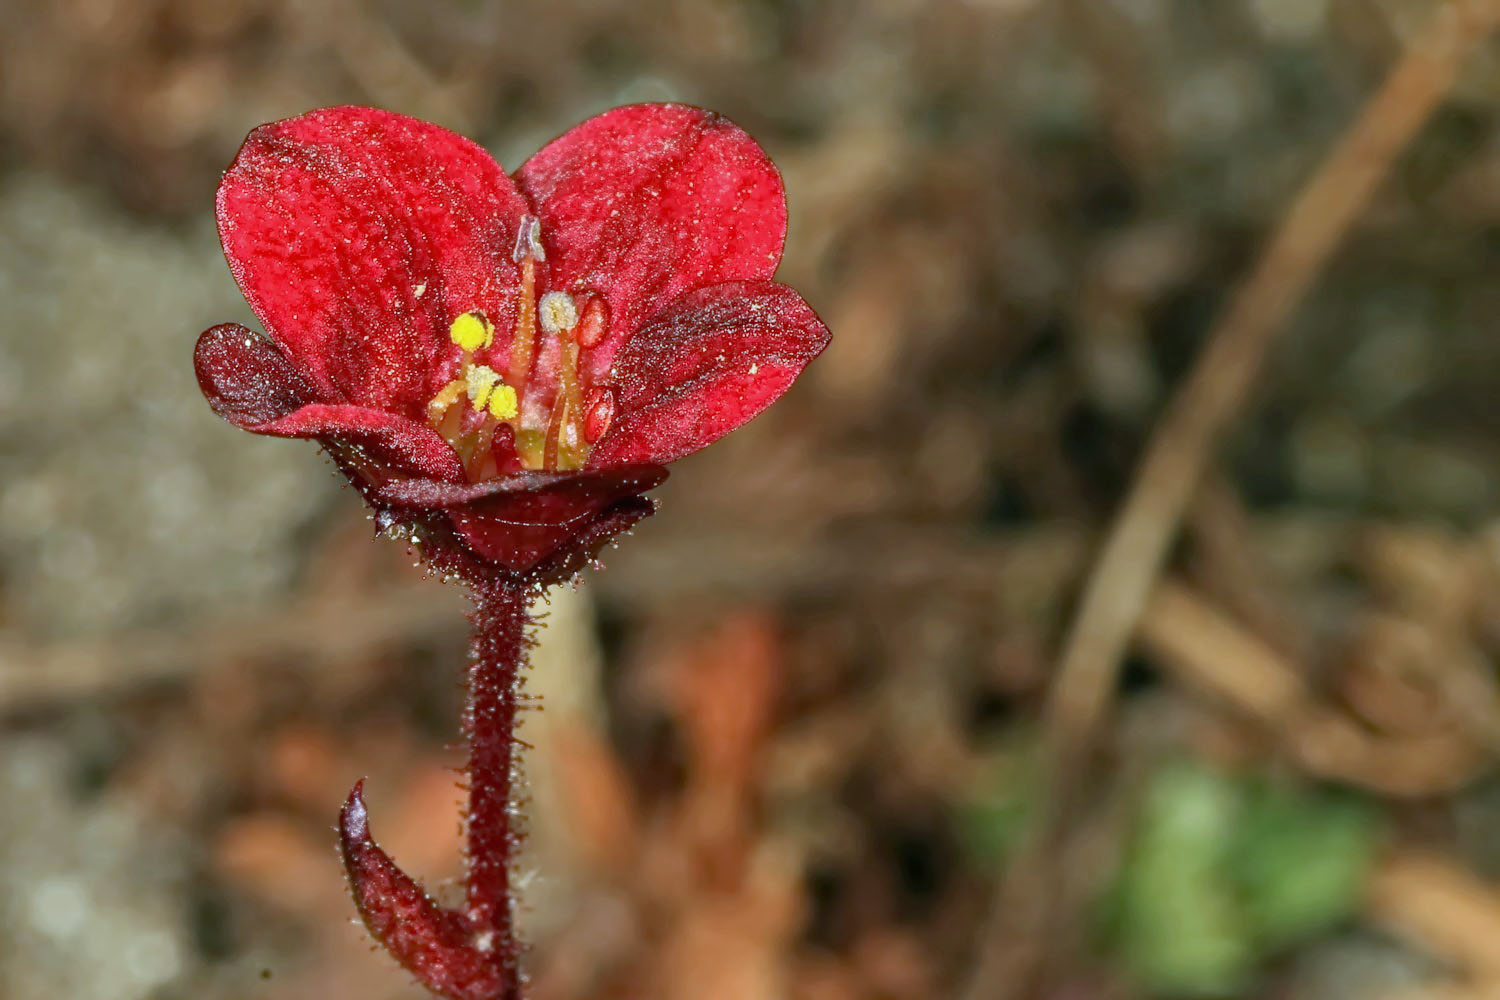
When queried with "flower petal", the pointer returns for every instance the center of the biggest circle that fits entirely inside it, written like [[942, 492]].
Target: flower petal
[[646, 201], [378, 444], [247, 379], [358, 236], [703, 366], [252, 384]]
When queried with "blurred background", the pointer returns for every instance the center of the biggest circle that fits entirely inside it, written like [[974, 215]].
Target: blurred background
[[795, 738]]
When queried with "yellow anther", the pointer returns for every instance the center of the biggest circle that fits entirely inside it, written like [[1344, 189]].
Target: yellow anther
[[504, 403], [557, 312], [471, 331], [480, 381]]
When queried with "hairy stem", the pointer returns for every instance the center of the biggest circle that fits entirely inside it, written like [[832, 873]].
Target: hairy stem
[[500, 644]]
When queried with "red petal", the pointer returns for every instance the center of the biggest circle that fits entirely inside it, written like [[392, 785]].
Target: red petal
[[358, 235], [644, 202], [703, 366], [250, 383], [246, 378], [387, 444]]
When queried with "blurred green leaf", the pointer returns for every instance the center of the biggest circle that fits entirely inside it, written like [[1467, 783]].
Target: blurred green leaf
[[1179, 930], [1300, 861], [1221, 872]]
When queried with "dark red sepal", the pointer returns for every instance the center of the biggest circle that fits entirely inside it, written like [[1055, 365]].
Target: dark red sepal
[[435, 945], [525, 520], [568, 560]]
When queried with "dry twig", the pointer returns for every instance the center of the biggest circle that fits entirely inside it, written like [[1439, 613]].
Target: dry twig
[[1174, 461], [1136, 546], [1210, 652], [1441, 909]]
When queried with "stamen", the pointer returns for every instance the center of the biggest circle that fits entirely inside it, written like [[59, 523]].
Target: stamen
[[471, 331], [558, 312], [480, 455], [562, 429], [550, 454], [508, 418], [480, 382], [523, 345], [451, 426], [445, 398], [529, 240], [531, 447], [504, 403]]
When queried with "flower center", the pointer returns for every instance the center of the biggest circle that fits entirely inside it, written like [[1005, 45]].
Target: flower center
[[535, 408]]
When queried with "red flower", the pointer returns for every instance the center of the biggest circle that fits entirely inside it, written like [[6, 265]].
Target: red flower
[[506, 361]]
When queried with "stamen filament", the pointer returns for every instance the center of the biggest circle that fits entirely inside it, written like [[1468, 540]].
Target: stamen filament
[[531, 447], [523, 345], [475, 462], [451, 427], [445, 398], [554, 427], [570, 447]]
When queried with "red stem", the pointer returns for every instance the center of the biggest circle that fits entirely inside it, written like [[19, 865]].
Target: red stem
[[500, 645]]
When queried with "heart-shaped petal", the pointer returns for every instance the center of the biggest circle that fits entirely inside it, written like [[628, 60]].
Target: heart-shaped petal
[[646, 201], [358, 236]]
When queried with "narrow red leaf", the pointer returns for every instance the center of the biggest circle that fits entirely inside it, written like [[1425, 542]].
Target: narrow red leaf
[[434, 944]]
